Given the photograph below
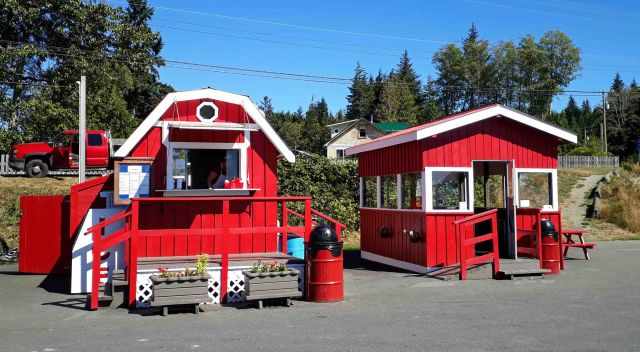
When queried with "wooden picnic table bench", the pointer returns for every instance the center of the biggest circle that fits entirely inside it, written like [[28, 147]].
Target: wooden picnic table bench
[[569, 234]]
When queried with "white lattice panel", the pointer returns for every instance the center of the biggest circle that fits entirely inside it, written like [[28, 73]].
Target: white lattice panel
[[214, 287], [144, 290], [235, 290]]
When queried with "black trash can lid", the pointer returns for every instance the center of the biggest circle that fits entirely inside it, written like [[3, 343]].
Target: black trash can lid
[[547, 227], [323, 233]]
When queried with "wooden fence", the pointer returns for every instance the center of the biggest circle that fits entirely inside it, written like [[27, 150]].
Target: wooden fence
[[585, 161]]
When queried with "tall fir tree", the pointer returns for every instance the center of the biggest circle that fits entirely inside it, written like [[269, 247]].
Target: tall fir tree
[[360, 98]]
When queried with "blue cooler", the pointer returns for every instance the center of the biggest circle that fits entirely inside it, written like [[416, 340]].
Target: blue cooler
[[295, 246]]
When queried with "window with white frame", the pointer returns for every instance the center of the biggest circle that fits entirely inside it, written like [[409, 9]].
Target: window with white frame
[[411, 190], [369, 192], [537, 188], [449, 189], [389, 191], [193, 165], [362, 133], [339, 153]]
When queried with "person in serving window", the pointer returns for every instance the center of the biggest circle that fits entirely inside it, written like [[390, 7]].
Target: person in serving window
[[217, 176]]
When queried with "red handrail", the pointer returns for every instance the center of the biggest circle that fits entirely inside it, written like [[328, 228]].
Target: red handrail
[[100, 244], [462, 229], [132, 234]]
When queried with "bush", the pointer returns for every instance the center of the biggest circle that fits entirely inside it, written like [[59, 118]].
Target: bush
[[333, 185], [621, 198]]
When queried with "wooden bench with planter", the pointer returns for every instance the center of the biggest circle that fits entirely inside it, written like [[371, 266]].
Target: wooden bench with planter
[[271, 282], [188, 287]]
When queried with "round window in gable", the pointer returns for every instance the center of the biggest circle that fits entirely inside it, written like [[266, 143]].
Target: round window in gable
[[207, 112]]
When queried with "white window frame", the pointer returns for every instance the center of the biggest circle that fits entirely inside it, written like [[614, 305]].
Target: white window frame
[[554, 186], [360, 136], [242, 147], [422, 192], [428, 173], [344, 155], [215, 109]]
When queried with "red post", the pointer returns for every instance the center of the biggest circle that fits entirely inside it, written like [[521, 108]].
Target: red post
[[132, 269], [539, 238], [494, 244], [95, 269], [462, 248], [224, 270], [560, 240], [285, 226], [307, 219]]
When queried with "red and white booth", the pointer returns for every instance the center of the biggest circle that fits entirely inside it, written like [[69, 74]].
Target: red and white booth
[[430, 193]]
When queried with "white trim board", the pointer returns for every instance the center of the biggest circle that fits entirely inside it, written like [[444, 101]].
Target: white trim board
[[437, 127], [249, 107], [394, 262]]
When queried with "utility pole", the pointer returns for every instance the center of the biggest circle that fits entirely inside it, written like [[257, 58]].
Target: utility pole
[[604, 121], [82, 131]]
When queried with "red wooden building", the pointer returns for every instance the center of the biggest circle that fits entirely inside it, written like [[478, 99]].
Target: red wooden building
[[162, 206], [467, 188]]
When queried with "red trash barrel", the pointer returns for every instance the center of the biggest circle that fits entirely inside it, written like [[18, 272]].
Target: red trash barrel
[[550, 252], [324, 266]]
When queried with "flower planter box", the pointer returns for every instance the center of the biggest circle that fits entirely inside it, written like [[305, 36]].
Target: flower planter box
[[271, 285], [179, 291]]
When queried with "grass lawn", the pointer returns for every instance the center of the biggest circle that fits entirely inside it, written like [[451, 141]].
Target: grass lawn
[[11, 188]]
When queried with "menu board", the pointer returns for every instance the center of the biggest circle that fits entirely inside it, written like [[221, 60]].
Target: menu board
[[132, 180]]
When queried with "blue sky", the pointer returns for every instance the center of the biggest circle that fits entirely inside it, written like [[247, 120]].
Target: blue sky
[[327, 38]]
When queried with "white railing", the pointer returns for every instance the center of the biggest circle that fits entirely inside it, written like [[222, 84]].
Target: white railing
[[586, 161], [4, 165], [5, 170]]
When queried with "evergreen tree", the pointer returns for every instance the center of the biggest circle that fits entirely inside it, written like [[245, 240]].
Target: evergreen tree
[[405, 73], [267, 107], [617, 85], [113, 46], [573, 115], [360, 98], [477, 69]]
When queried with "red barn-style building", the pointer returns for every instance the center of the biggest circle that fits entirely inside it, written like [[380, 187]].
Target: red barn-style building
[[198, 176], [429, 194]]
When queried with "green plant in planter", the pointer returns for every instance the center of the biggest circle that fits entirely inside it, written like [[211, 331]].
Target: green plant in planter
[[202, 263], [260, 267]]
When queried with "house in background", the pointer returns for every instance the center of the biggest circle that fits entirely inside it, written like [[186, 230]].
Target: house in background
[[346, 134]]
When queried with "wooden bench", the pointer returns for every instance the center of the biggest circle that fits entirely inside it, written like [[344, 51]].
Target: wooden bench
[[569, 234]]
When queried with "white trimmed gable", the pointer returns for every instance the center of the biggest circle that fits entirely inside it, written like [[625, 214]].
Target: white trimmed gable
[[457, 121], [245, 102]]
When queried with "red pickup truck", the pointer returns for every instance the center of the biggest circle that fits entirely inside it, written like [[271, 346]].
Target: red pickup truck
[[36, 159]]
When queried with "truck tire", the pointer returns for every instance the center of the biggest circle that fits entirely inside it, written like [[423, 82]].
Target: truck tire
[[36, 168]]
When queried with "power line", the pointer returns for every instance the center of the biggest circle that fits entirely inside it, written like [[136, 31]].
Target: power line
[[182, 64], [296, 26]]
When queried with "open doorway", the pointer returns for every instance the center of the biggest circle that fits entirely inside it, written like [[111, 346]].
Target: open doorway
[[493, 190]]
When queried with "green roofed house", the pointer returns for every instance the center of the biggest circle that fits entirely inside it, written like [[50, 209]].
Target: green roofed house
[[352, 132]]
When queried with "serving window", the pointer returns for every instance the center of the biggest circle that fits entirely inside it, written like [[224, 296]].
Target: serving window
[[537, 188], [204, 165], [449, 189]]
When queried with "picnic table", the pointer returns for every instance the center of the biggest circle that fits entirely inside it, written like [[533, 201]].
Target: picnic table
[[570, 242]]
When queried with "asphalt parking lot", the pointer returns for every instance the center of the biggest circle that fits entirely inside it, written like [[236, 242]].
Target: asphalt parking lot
[[592, 306]]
